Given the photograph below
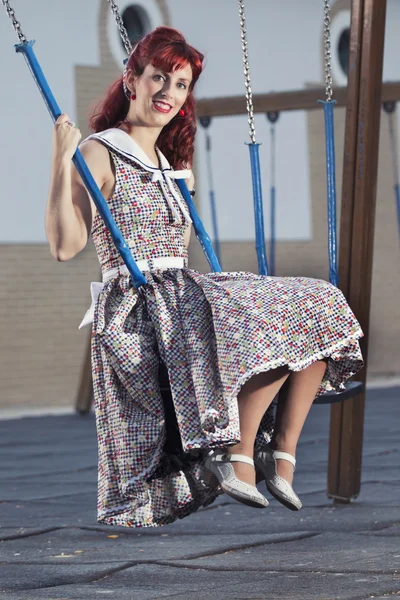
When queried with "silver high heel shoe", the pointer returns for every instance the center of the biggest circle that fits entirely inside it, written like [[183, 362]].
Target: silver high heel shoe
[[218, 469], [265, 461]]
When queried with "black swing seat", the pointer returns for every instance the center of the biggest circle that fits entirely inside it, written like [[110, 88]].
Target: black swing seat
[[353, 388]]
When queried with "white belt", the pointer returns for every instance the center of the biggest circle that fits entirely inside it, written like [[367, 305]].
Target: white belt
[[163, 262]]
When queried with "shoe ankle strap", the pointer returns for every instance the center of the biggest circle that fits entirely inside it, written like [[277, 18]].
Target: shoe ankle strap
[[285, 456], [234, 458]]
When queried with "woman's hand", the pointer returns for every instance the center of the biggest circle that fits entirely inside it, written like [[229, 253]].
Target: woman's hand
[[66, 138]]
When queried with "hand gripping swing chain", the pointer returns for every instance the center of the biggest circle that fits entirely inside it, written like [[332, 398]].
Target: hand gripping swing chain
[[121, 27], [249, 94], [328, 57], [16, 24]]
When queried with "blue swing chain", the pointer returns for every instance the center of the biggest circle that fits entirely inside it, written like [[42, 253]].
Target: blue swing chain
[[329, 104], [254, 154]]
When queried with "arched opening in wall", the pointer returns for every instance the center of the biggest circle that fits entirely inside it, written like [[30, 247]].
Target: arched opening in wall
[[340, 44], [139, 18], [343, 50], [136, 22]]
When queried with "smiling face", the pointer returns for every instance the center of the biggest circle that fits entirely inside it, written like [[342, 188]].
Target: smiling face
[[159, 95]]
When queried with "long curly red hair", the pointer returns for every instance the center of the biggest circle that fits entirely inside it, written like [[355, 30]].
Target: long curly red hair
[[166, 49]]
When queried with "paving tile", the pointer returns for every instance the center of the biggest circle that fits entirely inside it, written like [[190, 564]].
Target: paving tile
[[14, 577], [12, 533], [235, 518], [391, 530], [77, 546], [154, 582], [328, 552], [35, 490], [68, 477]]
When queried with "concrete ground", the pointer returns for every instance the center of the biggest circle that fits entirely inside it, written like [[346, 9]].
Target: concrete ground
[[53, 548]]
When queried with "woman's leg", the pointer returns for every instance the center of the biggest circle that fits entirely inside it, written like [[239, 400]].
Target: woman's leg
[[253, 400], [294, 403]]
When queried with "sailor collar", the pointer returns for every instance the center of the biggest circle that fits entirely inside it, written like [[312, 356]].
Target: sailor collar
[[120, 141]]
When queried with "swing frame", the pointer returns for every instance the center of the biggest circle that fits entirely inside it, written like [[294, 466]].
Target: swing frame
[[357, 222]]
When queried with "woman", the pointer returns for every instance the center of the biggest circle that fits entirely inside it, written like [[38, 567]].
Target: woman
[[230, 341]]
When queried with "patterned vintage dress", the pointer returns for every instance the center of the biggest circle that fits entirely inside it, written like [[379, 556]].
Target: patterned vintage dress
[[213, 331]]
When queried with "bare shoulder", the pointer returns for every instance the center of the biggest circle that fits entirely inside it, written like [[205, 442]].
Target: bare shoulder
[[98, 161], [97, 158]]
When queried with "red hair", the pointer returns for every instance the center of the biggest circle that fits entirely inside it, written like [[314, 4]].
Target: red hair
[[166, 49]]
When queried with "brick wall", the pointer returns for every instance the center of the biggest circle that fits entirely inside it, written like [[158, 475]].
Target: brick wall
[[42, 302]]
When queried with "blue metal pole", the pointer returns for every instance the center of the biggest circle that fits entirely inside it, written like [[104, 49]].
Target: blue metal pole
[[331, 189], [137, 276], [273, 232], [215, 225], [205, 122], [390, 108], [211, 192], [258, 208], [397, 195], [272, 118], [200, 231]]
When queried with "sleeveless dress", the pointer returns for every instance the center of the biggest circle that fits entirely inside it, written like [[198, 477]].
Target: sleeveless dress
[[212, 331]]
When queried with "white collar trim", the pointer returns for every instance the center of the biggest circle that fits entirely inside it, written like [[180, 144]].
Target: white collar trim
[[122, 142]]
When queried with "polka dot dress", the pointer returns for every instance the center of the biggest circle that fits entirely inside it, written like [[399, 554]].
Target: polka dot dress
[[213, 331]]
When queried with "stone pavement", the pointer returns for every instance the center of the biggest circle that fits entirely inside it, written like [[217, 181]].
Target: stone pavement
[[52, 548]]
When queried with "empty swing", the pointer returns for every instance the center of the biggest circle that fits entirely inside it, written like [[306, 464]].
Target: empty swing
[[352, 388]]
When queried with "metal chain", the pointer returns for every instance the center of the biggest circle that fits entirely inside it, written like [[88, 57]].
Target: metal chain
[[328, 57], [120, 24], [15, 22], [249, 94]]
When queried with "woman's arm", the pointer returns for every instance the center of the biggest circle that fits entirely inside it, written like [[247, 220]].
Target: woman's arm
[[70, 210]]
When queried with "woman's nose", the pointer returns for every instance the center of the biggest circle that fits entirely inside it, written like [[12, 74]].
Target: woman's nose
[[166, 91]]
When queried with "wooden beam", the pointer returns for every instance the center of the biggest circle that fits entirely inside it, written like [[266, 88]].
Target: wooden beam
[[84, 397], [281, 101], [357, 226]]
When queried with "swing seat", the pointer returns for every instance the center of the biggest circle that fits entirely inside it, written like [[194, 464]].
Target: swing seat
[[352, 389]]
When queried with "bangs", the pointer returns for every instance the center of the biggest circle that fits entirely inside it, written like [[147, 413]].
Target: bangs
[[174, 57]]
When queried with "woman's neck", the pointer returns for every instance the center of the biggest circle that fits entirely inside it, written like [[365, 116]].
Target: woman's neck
[[146, 138]]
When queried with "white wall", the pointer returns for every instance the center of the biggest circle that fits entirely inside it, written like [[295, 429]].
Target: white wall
[[66, 34], [285, 53]]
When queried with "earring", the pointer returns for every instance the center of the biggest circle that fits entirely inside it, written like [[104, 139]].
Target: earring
[[182, 112], [133, 96]]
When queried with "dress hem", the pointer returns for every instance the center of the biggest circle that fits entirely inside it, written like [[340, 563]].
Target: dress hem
[[299, 366]]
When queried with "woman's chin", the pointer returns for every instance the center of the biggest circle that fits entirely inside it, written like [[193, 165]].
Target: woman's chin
[[161, 117]]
